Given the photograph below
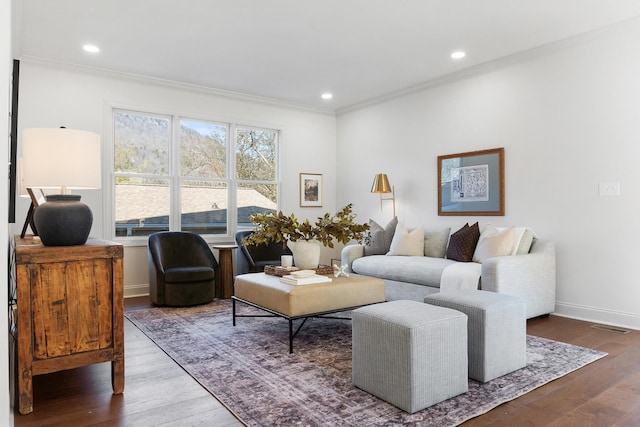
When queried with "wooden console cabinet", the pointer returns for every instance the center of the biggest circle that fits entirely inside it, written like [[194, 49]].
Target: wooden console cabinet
[[69, 310]]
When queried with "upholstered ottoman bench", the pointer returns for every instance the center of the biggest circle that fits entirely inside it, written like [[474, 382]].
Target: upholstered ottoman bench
[[293, 302], [497, 330], [410, 354]]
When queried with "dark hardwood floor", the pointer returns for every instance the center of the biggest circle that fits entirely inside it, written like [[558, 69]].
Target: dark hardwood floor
[[159, 393]]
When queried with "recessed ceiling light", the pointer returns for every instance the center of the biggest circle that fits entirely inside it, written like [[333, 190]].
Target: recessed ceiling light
[[91, 48], [327, 96], [458, 54]]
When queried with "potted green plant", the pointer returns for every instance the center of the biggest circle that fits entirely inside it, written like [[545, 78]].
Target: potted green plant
[[303, 237]]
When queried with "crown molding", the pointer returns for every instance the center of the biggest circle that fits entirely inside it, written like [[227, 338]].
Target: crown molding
[[138, 78], [632, 24]]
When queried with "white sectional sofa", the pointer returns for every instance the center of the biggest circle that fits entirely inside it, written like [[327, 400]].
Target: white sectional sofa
[[527, 271]]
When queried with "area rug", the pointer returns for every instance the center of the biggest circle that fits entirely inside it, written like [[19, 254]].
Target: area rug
[[248, 368]]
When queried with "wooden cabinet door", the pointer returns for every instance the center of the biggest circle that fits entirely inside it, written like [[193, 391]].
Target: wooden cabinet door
[[72, 307]]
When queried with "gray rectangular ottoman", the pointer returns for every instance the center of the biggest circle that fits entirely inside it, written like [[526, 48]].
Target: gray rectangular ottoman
[[497, 330], [410, 354]]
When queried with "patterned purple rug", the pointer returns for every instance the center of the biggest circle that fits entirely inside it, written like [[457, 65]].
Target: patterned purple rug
[[249, 369]]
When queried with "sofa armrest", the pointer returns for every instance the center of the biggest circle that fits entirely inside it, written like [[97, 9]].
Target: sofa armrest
[[531, 276], [350, 253]]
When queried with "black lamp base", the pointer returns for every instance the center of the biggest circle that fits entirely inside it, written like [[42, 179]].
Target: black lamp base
[[63, 220]]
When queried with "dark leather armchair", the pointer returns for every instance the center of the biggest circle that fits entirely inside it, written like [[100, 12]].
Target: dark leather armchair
[[253, 258], [182, 269]]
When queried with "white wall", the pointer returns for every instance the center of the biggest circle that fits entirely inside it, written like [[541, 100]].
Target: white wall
[[53, 95], [568, 118]]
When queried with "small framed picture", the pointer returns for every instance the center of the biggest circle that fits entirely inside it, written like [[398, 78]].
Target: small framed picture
[[310, 190], [36, 199]]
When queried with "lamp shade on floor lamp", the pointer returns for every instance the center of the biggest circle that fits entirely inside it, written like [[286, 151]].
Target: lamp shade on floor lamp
[[61, 159], [381, 186]]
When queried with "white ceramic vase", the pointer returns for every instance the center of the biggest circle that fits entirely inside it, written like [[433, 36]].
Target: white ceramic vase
[[306, 253]]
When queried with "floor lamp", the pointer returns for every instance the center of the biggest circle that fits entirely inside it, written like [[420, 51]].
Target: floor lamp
[[381, 186]]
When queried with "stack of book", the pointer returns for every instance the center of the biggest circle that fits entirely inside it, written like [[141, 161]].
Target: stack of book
[[304, 280]]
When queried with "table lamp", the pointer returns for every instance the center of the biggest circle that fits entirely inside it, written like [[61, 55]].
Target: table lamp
[[61, 159]]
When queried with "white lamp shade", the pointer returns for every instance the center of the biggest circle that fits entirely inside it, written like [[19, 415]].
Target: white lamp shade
[[60, 158]]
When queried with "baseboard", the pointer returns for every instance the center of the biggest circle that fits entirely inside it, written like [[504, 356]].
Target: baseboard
[[598, 315], [136, 290]]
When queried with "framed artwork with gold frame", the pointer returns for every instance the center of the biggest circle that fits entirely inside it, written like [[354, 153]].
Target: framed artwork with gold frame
[[471, 183]]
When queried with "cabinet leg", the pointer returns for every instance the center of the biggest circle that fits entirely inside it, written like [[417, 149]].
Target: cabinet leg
[[25, 392], [117, 376]]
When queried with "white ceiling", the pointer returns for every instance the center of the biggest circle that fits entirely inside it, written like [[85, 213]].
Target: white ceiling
[[294, 50]]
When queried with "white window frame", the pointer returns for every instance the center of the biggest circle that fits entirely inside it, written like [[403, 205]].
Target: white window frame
[[174, 176]]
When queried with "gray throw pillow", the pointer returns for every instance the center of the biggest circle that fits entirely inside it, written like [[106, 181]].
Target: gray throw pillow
[[435, 242], [380, 238]]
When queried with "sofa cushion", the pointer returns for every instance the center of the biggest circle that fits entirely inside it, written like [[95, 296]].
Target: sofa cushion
[[435, 242], [380, 238], [407, 243], [494, 242], [413, 269], [188, 274], [463, 243]]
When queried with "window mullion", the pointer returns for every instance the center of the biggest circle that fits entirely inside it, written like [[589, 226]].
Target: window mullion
[[232, 211], [174, 176]]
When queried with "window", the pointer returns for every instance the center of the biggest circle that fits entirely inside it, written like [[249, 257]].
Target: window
[[175, 173], [256, 153], [204, 186], [141, 165]]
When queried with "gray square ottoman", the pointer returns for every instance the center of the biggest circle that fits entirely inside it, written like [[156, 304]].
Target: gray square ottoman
[[410, 354], [497, 330]]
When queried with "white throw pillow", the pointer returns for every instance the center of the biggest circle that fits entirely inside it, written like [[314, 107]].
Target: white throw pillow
[[407, 243], [494, 242], [524, 239]]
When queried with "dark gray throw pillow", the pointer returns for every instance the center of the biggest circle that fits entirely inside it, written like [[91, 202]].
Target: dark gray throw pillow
[[380, 238]]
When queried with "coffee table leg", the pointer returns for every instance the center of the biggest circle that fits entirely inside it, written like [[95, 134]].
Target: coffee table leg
[[290, 336], [233, 309]]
